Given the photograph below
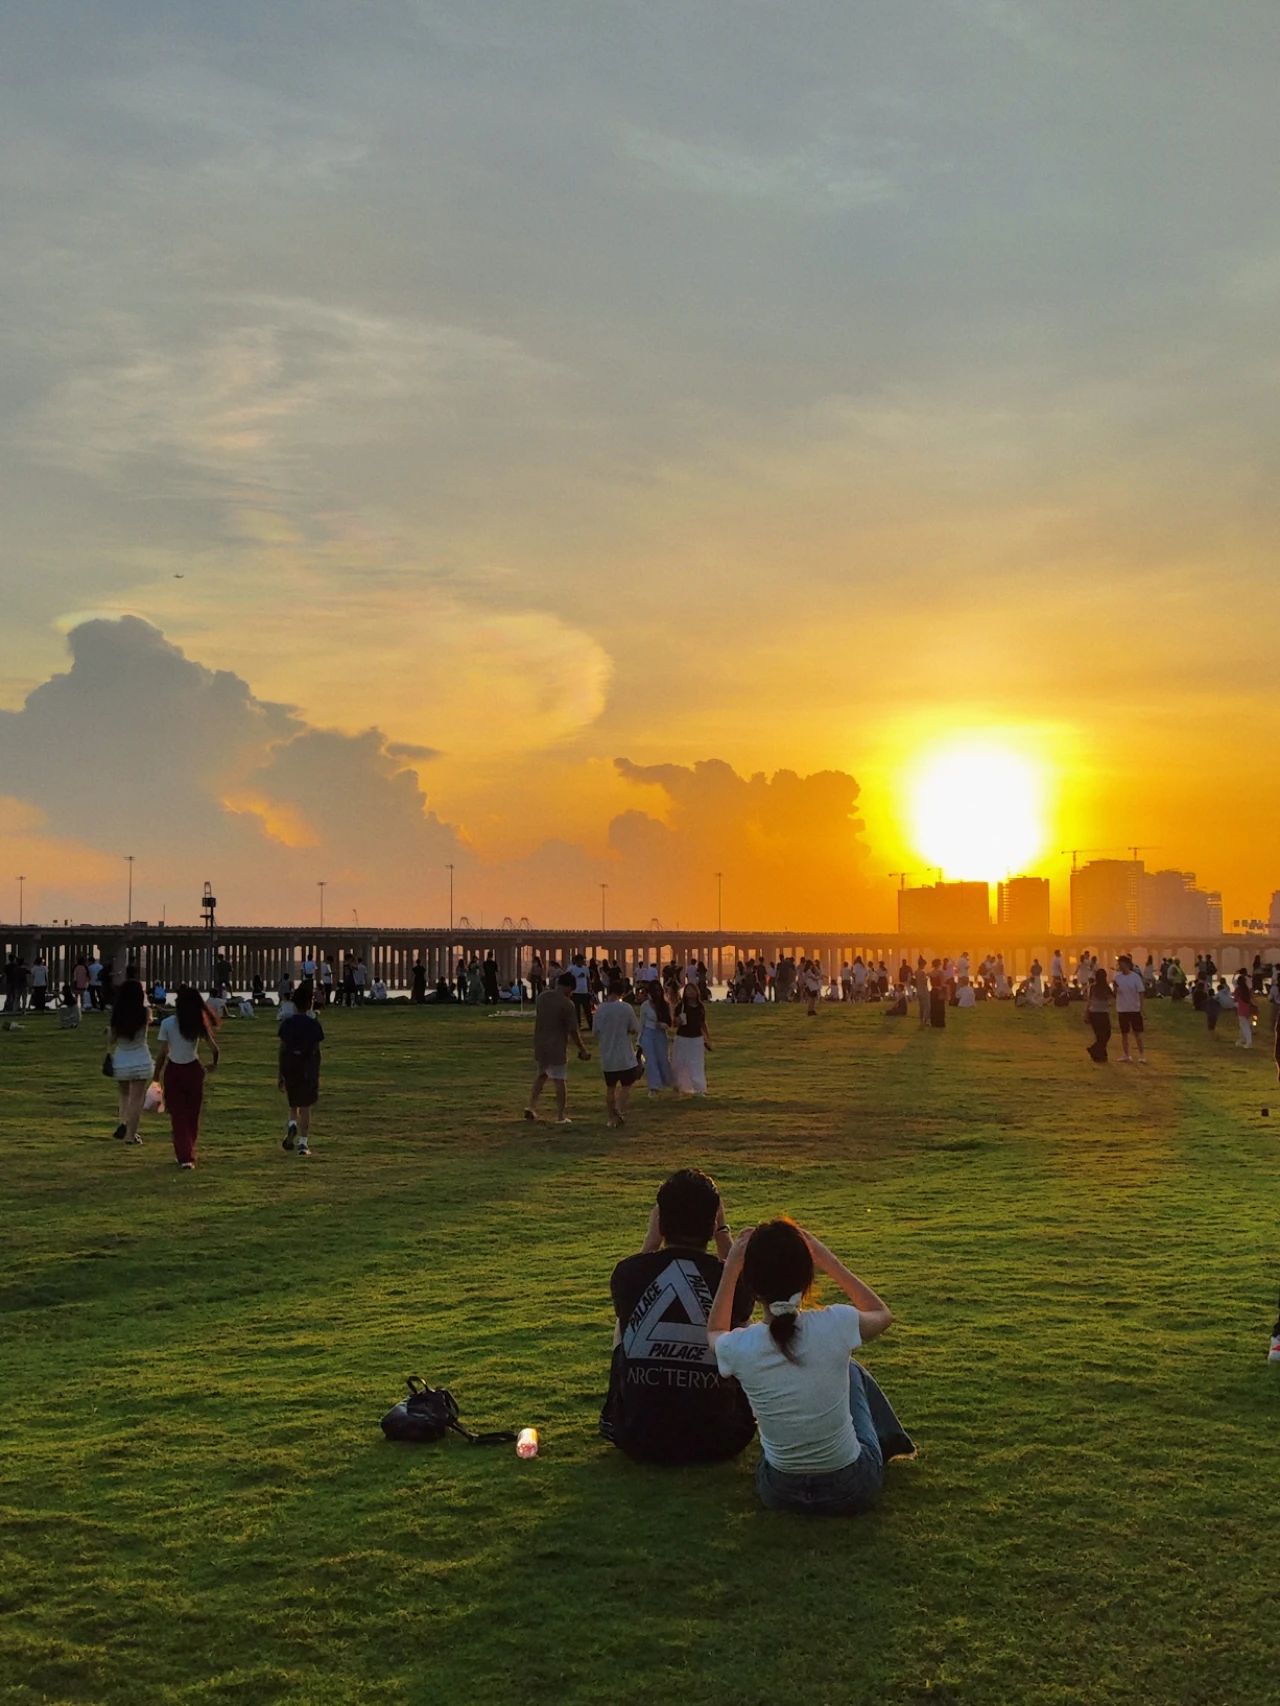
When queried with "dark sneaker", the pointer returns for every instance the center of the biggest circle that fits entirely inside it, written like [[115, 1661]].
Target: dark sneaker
[[119, 1132]]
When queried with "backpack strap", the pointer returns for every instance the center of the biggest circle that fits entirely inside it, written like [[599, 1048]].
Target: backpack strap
[[502, 1436]]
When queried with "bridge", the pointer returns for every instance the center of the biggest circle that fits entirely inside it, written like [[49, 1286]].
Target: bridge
[[186, 953]]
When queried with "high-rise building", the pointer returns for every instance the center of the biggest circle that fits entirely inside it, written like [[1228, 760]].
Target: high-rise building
[[1022, 905], [1104, 898], [945, 912], [1169, 903]]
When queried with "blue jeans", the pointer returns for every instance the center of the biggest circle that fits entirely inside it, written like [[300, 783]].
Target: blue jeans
[[657, 1059], [856, 1487]]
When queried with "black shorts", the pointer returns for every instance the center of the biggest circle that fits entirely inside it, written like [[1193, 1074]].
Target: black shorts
[[628, 1076], [1130, 1022], [302, 1089]]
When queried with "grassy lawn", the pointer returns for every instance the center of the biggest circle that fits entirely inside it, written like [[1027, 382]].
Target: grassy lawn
[[196, 1503]]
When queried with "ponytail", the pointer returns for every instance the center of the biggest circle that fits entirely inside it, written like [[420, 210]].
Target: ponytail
[[782, 1330], [779, 1269]]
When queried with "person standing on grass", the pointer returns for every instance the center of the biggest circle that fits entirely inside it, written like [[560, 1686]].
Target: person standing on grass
[[614, 1025], [179, 1070], [655, 1031], [131, 1065], [555, 1026], [826, 1429], [298, 1068], [922, 991], [667, 1402], [1098, 1015], [939, 995], [811, 984], [692, 1040], [1245, 1010], [1130, 994]]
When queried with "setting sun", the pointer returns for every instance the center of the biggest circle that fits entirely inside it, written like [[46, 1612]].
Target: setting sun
[[977, 810]]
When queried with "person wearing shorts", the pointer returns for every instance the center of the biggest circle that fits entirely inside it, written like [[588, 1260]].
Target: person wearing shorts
[[555, 1026], [300, 1034], [614, 1025], [1130, 991]]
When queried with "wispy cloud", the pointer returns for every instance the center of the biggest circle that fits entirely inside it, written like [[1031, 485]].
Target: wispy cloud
[[822, 178], [264, 381]]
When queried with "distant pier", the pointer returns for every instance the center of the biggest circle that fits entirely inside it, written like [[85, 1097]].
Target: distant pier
[[185, 953]]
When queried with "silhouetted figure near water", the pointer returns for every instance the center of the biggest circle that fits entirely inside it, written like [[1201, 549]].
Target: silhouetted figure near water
[[418, 991]]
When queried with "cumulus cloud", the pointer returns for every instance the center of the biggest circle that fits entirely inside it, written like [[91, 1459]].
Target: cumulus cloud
[[789, 847], [138, 749]]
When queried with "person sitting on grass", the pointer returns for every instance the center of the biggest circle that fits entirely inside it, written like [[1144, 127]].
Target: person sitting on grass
[[667, 1402], [826, 1429], [614, 1025], [299, 1068], [555, 1026]]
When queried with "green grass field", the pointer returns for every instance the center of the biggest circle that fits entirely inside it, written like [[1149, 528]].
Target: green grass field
[[196, 1503]]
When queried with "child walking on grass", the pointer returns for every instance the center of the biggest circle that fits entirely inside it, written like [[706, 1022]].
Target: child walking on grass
[[299, 1067]]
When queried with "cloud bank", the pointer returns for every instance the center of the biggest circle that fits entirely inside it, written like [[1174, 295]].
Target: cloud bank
[[200, 778]]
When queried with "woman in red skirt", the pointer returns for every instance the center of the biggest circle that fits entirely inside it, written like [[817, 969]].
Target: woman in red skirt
[[179, 1069]]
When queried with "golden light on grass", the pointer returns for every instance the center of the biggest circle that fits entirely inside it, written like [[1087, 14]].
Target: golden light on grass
[[977, 808]]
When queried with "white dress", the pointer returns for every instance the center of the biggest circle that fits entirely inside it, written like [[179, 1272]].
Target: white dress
[[131, 1060], [689, 1065]]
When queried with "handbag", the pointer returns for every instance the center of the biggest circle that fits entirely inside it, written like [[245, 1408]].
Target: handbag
[[108, 1071], [429, 1413]]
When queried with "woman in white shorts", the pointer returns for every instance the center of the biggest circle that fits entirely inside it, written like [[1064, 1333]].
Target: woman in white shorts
[[131, 1063]]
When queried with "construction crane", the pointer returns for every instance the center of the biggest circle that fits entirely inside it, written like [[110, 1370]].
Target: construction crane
[[1063, 851], [903, 875], [1146, 847]]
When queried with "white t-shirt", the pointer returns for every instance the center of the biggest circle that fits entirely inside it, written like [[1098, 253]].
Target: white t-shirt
[[581, 979], [40, 977], [181, 1051], [95, 973], [613, 1025], [1129, 991], [802, 1407]]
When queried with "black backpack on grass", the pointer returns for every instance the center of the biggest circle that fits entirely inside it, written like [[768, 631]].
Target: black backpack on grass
[[429, 1413]]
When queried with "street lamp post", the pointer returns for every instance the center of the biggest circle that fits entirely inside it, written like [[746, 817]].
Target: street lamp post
[[21, 880], [322, 886], [129, 918], [719, 902], [449, 868], [603, 891]]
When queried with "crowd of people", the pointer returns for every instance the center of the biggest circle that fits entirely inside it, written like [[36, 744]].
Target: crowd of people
[[651, 1026], [694, 1377]]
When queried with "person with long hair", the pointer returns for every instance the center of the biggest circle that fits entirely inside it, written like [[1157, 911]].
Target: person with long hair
[[131, 1064], [180, 1072], [689, 1050], [826, 1429], [655, 1030], [1098, 1015]]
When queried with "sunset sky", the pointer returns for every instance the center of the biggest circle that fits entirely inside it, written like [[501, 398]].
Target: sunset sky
[[617, 443]]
